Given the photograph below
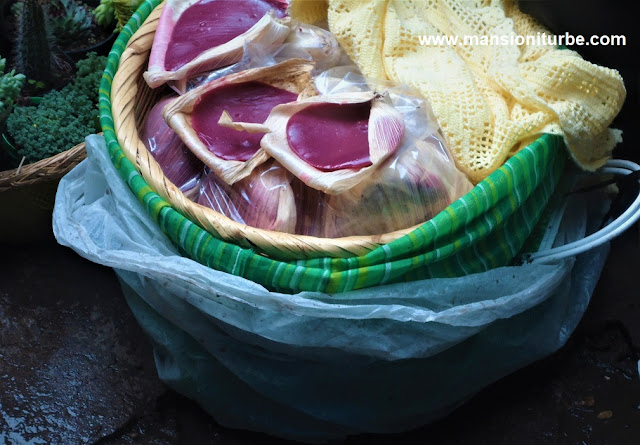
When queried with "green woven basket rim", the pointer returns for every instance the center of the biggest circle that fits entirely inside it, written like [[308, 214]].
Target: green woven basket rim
[[460, 240]]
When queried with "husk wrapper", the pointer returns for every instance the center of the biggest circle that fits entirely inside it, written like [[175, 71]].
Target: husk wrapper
[[386, 130], [292, 75], [178, 164], [270, 31], [263, 199], [410, 188]]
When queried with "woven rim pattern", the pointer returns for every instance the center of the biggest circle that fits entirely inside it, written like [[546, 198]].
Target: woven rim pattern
[[54, 167], [484, 229]]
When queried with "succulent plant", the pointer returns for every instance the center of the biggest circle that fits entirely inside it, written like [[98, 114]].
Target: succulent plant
[[105, 13], [70, 21], [117, 12], [124, 9], [63, 118], [10, 86]]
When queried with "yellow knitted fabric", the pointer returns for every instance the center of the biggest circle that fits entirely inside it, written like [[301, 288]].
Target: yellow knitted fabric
[[490, 100]]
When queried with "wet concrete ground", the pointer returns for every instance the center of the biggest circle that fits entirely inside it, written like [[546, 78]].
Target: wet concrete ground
[[75, 368]]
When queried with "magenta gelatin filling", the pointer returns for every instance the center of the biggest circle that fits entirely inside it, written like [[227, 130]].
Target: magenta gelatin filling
[[210, 23], [331, 136], [246, 102]]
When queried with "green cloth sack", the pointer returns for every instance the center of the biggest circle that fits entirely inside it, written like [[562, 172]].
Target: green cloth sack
[[484, 229]]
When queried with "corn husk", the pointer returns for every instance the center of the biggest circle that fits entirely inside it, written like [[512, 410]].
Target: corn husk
[[411, 187], [178, 164], [263, 199], [386, 131], [291, 75], [311, 43], [320, 44], [310, 207], [269, 31]]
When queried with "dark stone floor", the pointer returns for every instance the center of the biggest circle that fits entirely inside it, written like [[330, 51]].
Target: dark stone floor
[[75, 368]]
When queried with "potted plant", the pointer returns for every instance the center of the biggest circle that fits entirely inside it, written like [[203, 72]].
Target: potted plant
[[67, 111], [77, 29], [42, 142], [44, 125], [10, 86], [116, 12]]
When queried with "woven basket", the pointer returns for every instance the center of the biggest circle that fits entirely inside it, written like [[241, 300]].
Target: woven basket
[[45, 170], [484, 229], [28, 194], [132, 100]]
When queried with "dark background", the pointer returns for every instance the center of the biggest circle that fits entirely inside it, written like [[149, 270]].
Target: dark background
[[601, 17]]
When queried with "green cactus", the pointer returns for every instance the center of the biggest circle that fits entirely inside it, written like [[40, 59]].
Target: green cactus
[[10, 86], [34, 49]]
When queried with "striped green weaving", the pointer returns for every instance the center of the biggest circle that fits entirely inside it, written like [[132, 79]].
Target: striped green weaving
[[484, 229]]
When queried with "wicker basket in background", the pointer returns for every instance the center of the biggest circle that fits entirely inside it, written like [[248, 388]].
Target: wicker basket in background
[[27, 196]]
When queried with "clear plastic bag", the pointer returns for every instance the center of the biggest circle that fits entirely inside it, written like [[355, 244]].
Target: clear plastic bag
[[414, 183], [304, 41], [414, 179], [203, 43], [409, 189], [264, 199], [178, 164], [315, 367], [318, 43], [255, 55]]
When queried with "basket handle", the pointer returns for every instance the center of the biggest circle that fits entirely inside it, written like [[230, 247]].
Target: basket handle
[[605, 234]]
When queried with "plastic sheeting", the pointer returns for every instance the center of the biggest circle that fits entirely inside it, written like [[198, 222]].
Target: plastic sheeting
[[310, 366]]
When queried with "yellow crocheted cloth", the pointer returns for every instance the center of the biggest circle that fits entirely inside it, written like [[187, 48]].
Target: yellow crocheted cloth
[[490, 100]]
